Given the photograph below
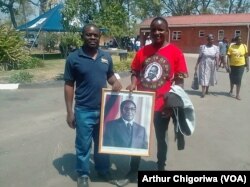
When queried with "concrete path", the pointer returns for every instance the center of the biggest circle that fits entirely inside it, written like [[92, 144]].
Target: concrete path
[[37, 146]]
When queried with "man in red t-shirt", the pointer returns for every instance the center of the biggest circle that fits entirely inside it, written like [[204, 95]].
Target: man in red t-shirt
[[169, 67]]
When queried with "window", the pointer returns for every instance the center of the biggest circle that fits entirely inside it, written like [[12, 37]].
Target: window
[[237, 33], [176, 35], [201, 34], [220, 35]]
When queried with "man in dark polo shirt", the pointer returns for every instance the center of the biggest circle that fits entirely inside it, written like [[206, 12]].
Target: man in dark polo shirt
[[87, 70]]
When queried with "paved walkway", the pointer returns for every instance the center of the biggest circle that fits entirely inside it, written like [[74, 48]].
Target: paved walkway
[[37, 147]]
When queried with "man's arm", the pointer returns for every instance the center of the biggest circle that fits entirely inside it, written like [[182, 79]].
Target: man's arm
[[69, 96], [116, 85]]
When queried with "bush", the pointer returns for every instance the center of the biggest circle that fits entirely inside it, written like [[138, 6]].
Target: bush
[[21, 77], [49, 41], [68, 42], [122, 66], [131, 55], [12, 50], [30, 63]]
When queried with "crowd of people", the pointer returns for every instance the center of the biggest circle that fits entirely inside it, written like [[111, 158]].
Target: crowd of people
[[88, 68]]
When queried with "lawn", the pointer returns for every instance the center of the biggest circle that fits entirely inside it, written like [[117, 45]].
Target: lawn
[[52, 70], [54, 67]]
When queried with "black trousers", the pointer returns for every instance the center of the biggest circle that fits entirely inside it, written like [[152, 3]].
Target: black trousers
[[161, 126], [161, 123]]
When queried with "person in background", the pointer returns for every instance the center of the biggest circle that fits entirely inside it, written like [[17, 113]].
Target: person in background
[[237, 61], [87, 70], [137, 44], [173, 69], [148, 41], [223, 46], [208, 62], [232, 41]]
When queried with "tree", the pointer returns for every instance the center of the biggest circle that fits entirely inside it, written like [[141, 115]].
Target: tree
[[232, 6], [113, 17], [7, 7], [16, 8], [180, 7], [107, 14], [144, 9]]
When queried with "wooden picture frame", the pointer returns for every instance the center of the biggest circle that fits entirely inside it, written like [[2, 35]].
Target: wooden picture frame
[[118, 109]]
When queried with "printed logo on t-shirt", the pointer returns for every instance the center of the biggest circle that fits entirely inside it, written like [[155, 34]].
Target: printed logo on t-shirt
[[104, 60], [155, 72]]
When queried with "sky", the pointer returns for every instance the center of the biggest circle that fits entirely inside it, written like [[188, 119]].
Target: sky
[[3, 17]]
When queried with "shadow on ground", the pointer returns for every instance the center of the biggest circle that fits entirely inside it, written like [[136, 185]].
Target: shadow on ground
[[198, 93], [65, 166]]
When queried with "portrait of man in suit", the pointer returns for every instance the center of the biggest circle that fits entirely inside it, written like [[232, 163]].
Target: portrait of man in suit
[[124, 131], [152, 74]]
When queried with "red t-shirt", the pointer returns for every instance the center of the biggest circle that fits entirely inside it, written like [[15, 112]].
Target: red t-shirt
[[156, 69]]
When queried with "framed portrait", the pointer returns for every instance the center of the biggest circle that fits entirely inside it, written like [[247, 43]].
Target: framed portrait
[[126, 122]]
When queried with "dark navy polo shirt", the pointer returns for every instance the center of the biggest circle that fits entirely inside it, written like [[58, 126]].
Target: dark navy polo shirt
[[89, 76]]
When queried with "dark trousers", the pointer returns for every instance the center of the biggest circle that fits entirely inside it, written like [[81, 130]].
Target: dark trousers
[[161, 126], [135, 163]]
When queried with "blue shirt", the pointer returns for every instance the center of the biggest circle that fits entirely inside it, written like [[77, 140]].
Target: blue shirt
[[89, 75], [223, 48]]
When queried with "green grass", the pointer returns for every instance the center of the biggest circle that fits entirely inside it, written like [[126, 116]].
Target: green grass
[[54, 68]]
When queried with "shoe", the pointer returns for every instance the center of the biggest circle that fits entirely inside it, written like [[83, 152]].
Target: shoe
[[83, 181], [231, 94], [130, 177], [107, 177], [122, 182]]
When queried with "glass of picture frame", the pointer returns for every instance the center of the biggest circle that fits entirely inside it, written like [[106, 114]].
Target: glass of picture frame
[[126, 122]]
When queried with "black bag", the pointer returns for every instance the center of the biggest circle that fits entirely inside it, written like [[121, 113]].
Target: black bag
[[195, 83]]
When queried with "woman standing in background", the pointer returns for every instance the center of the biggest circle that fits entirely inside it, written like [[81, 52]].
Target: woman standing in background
[[237, 61], [208, 62]]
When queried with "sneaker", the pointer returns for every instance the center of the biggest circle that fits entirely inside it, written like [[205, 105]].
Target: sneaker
[[107, 177], [83, 181], [231, 94], [130, 177], [123, 182]]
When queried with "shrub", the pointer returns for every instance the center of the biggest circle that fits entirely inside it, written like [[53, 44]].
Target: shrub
[[30, 63], [131, 55], [12, 51], [21, 77], [68, 42], [122, 66], [49, 41]]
